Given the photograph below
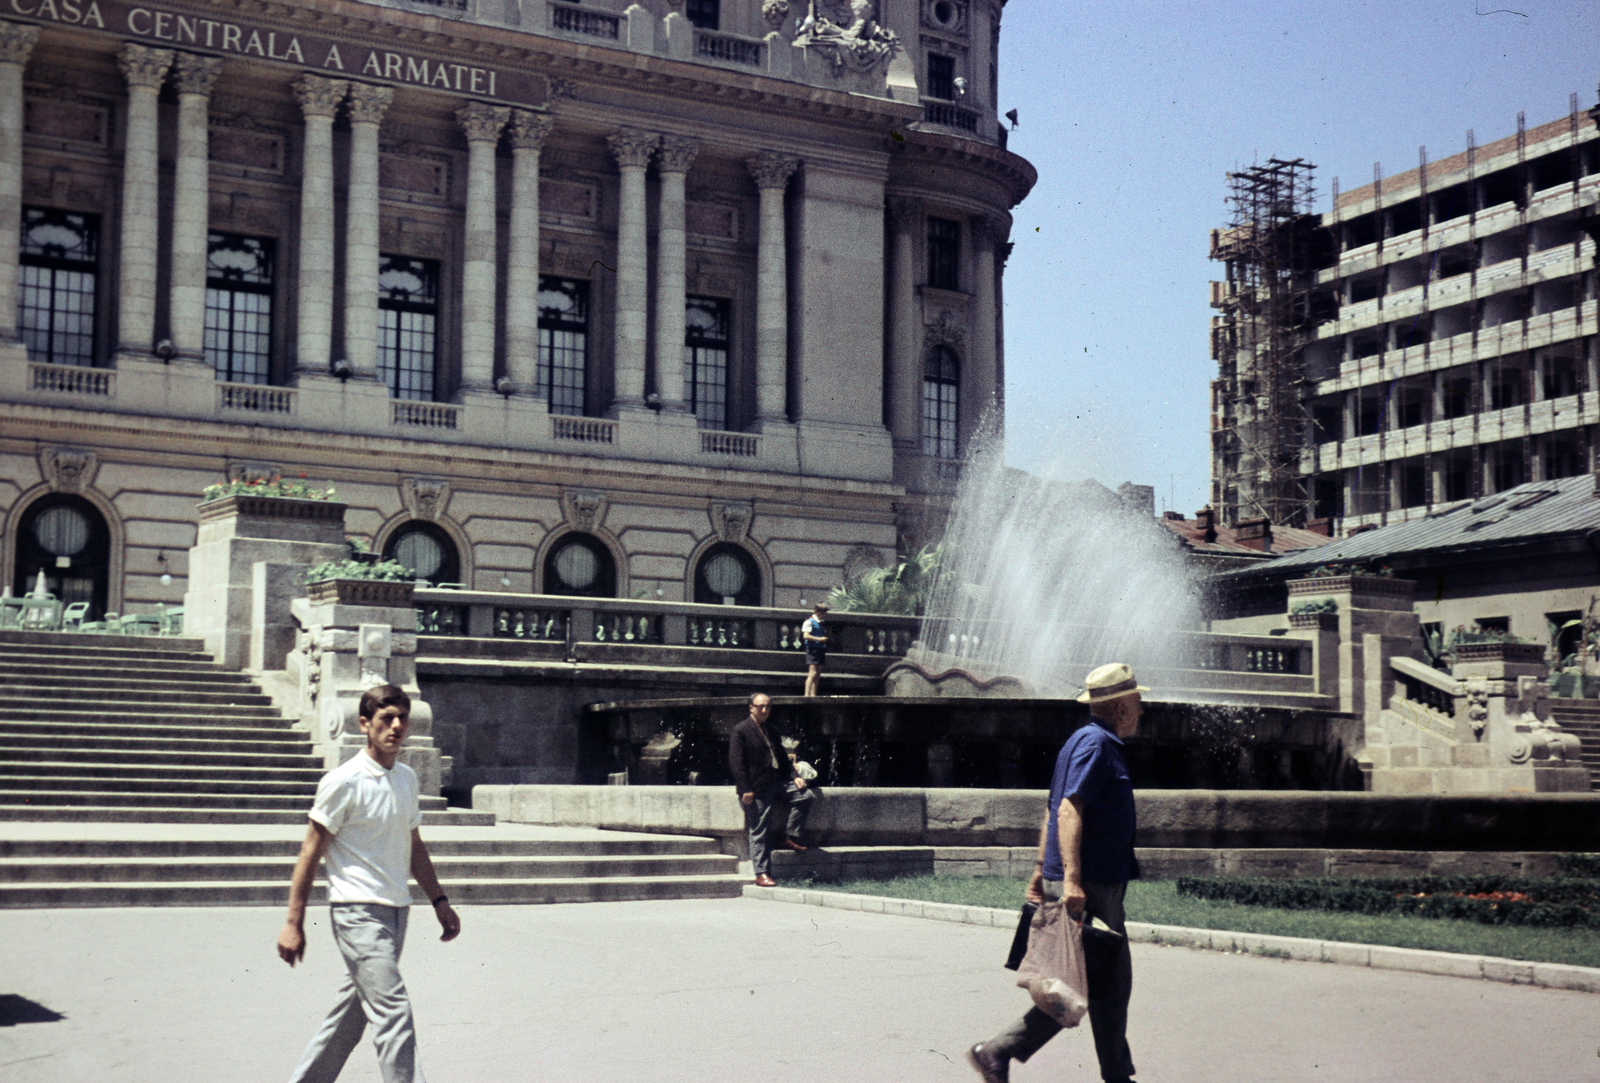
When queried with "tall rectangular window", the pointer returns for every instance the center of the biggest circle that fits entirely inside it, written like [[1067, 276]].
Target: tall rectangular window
[[706, 14], [705, 360], [944, 253], [563, 342], [408, 325], [941, 77], [238, 337], [941, 403], [55, 298]]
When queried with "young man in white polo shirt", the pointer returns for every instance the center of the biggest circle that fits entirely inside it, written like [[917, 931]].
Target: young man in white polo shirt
[[365, 819]]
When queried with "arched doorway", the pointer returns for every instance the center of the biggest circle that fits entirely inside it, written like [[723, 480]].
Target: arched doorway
[[65, 537], [727, 575], [426, 551], [581, 566]]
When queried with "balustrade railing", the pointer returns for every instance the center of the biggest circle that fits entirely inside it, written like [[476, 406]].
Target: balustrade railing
[[585, 430], [949, 115], [721, 632], [516, 622], [70, 379], [256, 398], [627, 628], [440, 619], [727, 48], [578, 20], [427, 415], [716, 442]]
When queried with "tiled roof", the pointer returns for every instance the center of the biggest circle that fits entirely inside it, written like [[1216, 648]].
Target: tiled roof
[[1538, 509], [1284, 538]]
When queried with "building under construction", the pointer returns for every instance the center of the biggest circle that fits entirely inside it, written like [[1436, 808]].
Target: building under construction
[[1430, 340]]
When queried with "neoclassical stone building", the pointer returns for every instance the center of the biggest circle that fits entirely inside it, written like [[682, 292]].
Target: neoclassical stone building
[[687, 300]]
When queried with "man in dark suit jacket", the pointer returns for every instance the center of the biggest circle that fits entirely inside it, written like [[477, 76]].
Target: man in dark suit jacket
[[762, 775]]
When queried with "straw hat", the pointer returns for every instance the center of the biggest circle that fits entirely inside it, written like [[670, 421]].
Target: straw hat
[[1111, 681]]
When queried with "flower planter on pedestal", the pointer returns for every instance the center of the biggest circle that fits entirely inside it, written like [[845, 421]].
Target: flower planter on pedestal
[[390, 593], [1531, 654], [1324, 622]]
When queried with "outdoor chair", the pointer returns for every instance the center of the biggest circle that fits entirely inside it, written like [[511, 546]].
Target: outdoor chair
[[110, 623], [140, 624], [171, 620], [72, 616], [11, 610]]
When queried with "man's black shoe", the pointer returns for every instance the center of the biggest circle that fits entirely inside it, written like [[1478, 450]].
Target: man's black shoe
[[993, 1069]]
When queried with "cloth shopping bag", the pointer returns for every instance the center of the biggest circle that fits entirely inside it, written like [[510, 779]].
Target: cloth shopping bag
[[1053, 970]]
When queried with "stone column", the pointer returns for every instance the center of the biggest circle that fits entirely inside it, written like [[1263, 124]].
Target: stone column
[[366, 109], [905, 346], [16, 42], [319, 100], [771, 172], [483, 124], [632, 149], [986, 233], [677, 154], [528, 133], [145, 69], [191, 202]]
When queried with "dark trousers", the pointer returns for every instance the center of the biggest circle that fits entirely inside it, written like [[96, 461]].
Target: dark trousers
[[1110, 985], [766, 817]]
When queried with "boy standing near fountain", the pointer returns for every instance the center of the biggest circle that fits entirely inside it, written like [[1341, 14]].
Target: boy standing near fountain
[[1086, 860], [815, 635]]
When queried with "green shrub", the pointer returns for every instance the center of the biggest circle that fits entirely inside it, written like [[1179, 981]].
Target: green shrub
[[295, 489], [359, 569], [1491, 900], [1314, 605]]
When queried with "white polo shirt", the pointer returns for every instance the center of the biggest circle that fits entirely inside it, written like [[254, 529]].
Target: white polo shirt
[[371, 812]]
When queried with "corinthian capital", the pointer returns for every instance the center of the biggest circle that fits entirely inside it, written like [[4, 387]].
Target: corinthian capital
[[16, 42], [771, 169], [530, 130], [677, 153], [143, 66], [319, 96], [196, 73], [368, 103], [632, 147], [482, 122]]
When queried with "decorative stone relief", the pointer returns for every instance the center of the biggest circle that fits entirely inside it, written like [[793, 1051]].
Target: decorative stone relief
[[318, 96], [143, 66], [16, 42], [771, 169], [632, 147], [196, 74], [425, 498], [482, 122], [677, 153], [560, 88], [949, 16], [775, 12], [583, 509], [847, 32], [945, 329], [731, 519], [67, 469], [252, 473], [1477, 704]]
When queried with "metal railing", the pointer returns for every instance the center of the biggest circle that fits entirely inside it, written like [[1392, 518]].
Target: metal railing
[[427, 415], [728, 48], [256, 398], [584, 430], [70, 379], [580, 20], [742, 444]]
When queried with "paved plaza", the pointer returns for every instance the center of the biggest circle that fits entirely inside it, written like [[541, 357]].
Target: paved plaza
[[736, 989]]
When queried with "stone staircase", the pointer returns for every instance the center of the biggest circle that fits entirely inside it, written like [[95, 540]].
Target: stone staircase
[[1581, 717], [135, 771]]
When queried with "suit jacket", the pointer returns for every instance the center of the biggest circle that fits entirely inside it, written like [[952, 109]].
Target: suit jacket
[[751, 758]]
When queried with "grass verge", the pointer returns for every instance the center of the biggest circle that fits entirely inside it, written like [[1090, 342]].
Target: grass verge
[[1158, 902]]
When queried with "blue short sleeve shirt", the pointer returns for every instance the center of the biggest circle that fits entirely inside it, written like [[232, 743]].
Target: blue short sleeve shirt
[[1092, 768]]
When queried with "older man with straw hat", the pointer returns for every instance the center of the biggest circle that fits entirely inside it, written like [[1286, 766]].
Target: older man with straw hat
[[1086, 859]]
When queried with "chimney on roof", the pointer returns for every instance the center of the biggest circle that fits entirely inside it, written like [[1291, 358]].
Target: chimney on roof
[[1138, 498], [1254, 534], [1172, 516], [1323, 526], [1206, 520]]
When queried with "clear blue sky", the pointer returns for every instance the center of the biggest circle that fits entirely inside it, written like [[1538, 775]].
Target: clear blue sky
[[1133, 111]]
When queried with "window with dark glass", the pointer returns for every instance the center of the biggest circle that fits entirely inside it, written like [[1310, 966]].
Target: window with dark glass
[[706, 14], [941, 77], [944, 252], [941, 400], [66, 540], [727, 575], [563, 342], [426, 552], [56, 285], [579, 565], [238, 339], [705, 360], [408, 325]]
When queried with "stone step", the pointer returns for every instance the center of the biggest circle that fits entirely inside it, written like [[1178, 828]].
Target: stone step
[[14, 809], [161, 755], [158, 696], [102, 733], [68, 772], [162, 675], [108, 648], [466, 892], [83, 849], [160, 794], [277, 870], [93, 710]]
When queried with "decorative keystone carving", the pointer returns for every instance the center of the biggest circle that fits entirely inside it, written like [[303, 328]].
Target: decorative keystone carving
[[677, 153], [196, 74], [319, 97], [67, 469], [16, 42], [776, 12], [143, 66], [1477, 704], [530, 130], [731, 519], [559, 88], [632, 146], [425, 498], [482, 122], [253, 473], [848, 34], [584, 509], [771, 169], [945, 330], [368, 103]]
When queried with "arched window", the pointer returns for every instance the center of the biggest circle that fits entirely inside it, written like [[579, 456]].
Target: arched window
[[941, 402], [580, 565], [426, 551], [66, 538], [727, 575]]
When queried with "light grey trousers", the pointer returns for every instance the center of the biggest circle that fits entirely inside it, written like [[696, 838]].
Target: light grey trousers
[[370, 938]]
